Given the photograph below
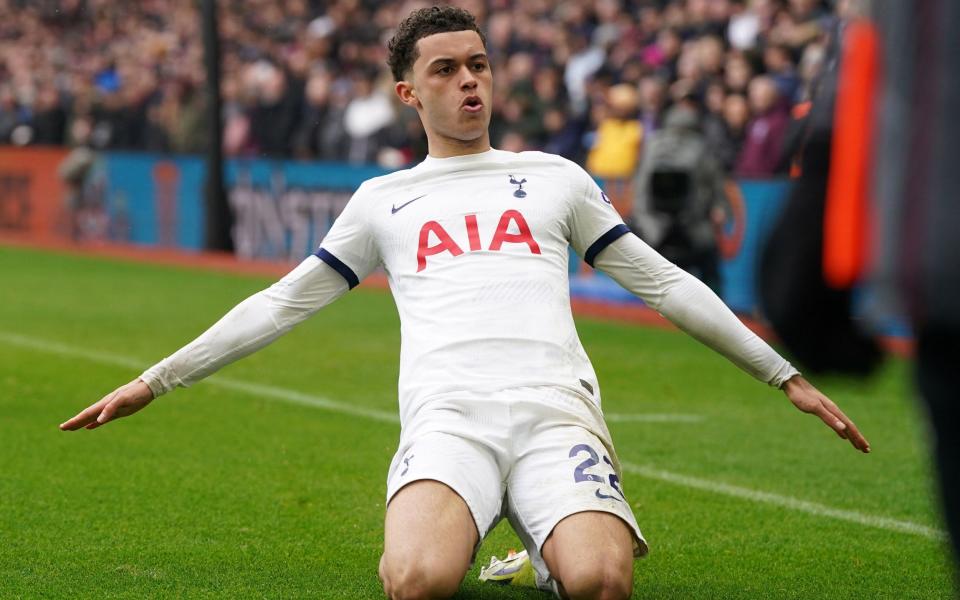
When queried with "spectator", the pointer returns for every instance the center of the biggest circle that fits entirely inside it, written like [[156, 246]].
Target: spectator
[[585, 60], [273, 117], [366, 120], [749, 20], [615, 154], [564, 134], [714, 125], [710, 56], [236, 121], [49, 119], [188, 117], [714, 96], [779, 66], [548, 97], [130, 75], [700, 20], [736, 114], [155, 137], [737, 73], [801, 24], [11, 116], [811, 66], [762, 149], [653, 100], [662, 55], [309, 133], [521, 109]]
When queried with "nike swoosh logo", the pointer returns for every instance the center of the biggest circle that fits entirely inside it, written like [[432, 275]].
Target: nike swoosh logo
[[606, 497], [395, 209]]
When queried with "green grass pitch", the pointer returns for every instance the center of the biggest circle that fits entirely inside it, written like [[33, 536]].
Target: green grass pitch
[[217, 491]]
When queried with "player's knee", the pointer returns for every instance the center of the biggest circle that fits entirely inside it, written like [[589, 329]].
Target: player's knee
[[598, 582], [418, 580]]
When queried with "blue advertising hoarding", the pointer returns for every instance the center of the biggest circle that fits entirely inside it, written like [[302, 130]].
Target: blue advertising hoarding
[[151, 200], [282, 209], [755, 206]]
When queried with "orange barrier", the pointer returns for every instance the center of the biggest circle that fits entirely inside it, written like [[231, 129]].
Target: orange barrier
[[32, 194]]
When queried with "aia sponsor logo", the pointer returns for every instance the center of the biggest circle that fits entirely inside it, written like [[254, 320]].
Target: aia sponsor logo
[[440, 241]]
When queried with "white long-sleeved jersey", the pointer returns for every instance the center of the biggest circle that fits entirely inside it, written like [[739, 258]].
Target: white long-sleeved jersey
[[476, 251]]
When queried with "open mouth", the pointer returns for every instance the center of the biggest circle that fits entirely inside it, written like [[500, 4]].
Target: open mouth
[[472, 104]]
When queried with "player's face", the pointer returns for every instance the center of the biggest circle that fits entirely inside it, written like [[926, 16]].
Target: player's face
[[451, 87]]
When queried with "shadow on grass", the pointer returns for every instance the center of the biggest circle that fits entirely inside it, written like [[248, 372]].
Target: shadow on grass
[[487, 591]]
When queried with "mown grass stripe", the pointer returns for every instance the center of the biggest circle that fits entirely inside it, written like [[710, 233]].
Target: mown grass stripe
[[291, 396]]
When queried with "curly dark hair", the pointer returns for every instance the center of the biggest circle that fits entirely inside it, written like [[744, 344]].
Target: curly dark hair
[[419, 24]]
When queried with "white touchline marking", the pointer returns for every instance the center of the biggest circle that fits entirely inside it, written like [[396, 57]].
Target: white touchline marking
[[652, 418], [295, 397], [648, 472], [812, 508], [256, 389]]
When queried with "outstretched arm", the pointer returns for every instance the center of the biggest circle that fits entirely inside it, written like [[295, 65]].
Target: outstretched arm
[[249, 326], [695, 309]]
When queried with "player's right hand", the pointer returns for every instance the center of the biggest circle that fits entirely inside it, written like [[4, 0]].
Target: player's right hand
[[123, 401]]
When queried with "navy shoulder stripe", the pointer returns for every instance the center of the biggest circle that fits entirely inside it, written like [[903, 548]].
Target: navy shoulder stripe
[[337, 265], [604, 241]]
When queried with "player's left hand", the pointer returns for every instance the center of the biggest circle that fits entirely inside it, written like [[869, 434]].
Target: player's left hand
[[810, 400]]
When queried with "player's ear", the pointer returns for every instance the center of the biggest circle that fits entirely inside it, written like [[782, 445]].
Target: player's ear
[[407, 94]]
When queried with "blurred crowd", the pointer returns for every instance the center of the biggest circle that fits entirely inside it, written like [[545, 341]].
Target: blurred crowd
[[588, 79]]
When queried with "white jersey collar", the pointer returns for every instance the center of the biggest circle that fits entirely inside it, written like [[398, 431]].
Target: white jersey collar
[[464, 159]]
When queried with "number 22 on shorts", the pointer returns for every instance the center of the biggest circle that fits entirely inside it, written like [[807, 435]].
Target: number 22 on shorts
[[580, 471]]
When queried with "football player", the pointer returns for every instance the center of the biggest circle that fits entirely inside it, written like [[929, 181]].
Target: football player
[[499, 404]]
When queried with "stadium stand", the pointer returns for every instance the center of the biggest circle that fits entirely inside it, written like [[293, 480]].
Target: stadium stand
[[307, 79]]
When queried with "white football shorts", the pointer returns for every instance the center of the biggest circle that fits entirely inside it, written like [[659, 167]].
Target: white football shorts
[[534, 455]]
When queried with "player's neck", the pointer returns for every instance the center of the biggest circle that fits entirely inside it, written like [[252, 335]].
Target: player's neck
[[444, 147]]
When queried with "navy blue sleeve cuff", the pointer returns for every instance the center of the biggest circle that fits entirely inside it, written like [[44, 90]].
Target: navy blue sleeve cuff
[[605, 240], [337, 265]]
